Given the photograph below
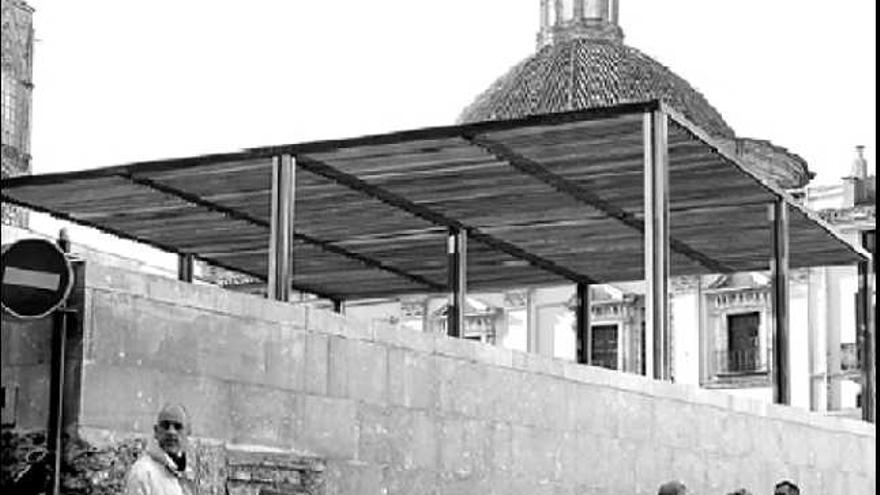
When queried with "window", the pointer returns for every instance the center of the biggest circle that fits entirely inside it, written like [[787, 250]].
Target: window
[[743, 353], [604, 349]]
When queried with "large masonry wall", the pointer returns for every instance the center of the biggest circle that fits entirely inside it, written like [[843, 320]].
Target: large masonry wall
[[397, 411]]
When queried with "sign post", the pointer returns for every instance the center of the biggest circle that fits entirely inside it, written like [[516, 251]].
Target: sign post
[[37, 279]]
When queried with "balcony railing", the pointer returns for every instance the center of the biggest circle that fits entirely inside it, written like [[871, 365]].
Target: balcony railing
[[740, 361]]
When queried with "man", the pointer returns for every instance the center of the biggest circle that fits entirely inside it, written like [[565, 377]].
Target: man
[[162, 469], [786, 487], [672, 488]]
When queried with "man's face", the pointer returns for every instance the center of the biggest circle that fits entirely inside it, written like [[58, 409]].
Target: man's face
[[171, 430]]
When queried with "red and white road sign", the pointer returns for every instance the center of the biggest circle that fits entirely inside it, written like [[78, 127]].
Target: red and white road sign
[[37, 278]]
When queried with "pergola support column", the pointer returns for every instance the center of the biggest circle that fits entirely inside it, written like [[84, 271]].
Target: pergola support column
[[281, 236], [185, 263], [779, 283], [584, 327], [457, 257], [866, 328], [656, 200], [338, 306]]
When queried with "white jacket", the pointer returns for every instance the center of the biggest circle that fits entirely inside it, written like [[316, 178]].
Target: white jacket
[[154, 473]]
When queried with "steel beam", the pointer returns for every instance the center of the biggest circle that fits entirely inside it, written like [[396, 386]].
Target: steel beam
[[656, 199], [584, 196], [244, 217], [584, 327], [281, 234], [779, 283], [866, 325], [457, 256], [322, 169]]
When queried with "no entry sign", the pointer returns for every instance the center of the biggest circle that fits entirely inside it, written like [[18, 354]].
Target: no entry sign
[[37, 278]]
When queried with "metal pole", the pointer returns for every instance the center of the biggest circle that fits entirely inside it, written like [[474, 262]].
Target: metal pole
[[866, 327], [457, 256], [656, 178], [185, 267], [779, 281], [338, 306], [281, 237], [584, 328], [56, 381]]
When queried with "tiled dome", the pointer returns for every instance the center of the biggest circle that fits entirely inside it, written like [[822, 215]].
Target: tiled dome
[[583, 73], [582, 63]]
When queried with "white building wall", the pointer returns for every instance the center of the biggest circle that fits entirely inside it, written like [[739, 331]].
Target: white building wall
[[686, 329], [799, 345]]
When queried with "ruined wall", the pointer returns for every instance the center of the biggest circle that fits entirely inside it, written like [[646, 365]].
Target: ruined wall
[[396, 411]]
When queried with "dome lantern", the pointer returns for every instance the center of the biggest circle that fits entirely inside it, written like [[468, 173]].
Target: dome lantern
[[563, 20]]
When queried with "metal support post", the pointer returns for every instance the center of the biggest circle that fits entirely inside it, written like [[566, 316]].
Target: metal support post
[[185, 263], [656, 200], [584, 328], [338, 306], [779, 281], [867, 329], [457, 256], [56, 382], [281, 238]]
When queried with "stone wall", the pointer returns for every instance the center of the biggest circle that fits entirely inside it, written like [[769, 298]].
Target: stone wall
[[396, 411]]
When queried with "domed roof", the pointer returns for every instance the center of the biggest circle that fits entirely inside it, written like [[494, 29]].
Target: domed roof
[[582, 63], [581, 73]]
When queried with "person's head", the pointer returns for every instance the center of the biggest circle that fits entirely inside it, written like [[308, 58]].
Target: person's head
[[741, 491], [672, 488], [172, 428], [786, 487]]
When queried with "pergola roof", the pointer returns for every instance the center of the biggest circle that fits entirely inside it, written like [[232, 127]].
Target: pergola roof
[[548, 199]]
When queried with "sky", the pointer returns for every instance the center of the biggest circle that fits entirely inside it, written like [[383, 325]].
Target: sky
[[134, 80]]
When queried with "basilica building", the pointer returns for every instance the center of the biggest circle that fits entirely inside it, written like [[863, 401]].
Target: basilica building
[[721, 334]]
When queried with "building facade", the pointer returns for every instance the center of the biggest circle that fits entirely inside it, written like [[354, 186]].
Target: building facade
[[17, 86], [721, 324]]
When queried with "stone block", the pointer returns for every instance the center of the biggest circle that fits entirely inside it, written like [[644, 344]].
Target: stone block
[[317, 360], [460, 385], [285, 359], [535, 452], [329, 428], [581, 458], [653, 463], [398, 437], [672, 423], [411, 379], [367, 371], [634, 417], [398, 481], [456, 348], [403, 338], [358, 369], [591, 409], [354, 477], [501, 451], [338, 367], [25, 342], [128, 399], [264, 416]]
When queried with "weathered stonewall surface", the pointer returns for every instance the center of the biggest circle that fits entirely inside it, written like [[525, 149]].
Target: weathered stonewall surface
[[392, 411]]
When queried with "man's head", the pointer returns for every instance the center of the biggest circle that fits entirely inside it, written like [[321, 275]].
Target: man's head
[[786, 488], [172, 428], [672, 488]]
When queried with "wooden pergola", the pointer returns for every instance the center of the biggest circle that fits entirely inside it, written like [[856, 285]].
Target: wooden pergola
[[621, 193]]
